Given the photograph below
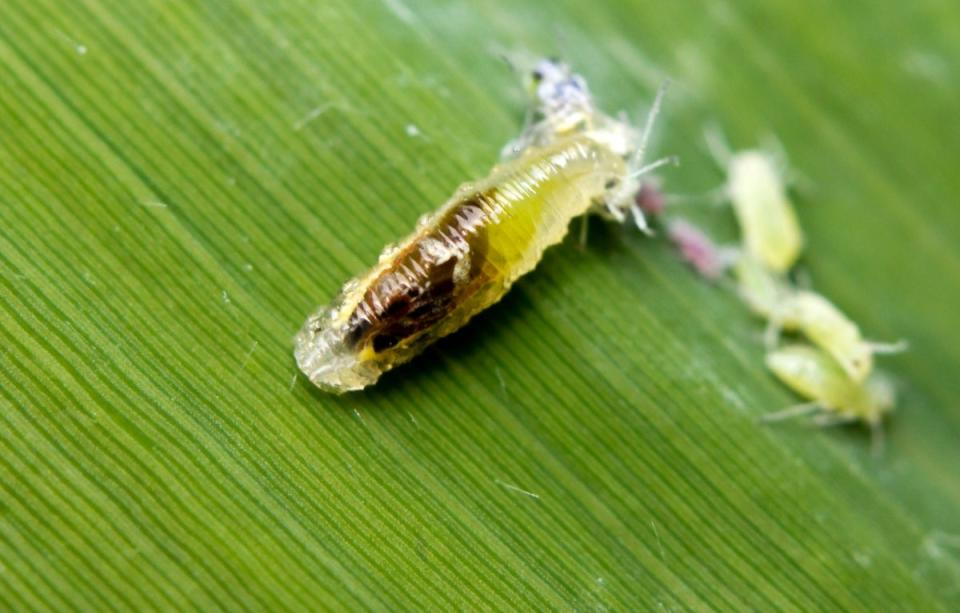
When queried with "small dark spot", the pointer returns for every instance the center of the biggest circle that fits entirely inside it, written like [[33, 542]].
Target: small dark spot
[[382, 342], [358, 329], [611, 183], [537, 76], [397, 307]]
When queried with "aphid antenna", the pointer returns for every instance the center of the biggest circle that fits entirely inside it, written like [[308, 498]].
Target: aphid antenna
[[889, 348], [797, 410], [670, 160], [652, 115], [639, 219], [717, 145]]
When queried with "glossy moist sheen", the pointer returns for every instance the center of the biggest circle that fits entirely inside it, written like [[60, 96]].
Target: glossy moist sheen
[[459, 261]]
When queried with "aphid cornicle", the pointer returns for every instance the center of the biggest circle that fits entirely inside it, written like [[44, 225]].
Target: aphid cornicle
[[464, 258], [815, 375]]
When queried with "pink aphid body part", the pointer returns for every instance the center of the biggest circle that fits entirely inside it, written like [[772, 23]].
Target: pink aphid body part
[[650, 199], [697, 249]]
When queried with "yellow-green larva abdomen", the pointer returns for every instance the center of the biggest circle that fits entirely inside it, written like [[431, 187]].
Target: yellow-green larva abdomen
[[458, 262]]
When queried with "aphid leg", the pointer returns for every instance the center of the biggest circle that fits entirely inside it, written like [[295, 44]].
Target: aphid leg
[[637, 158], [797, 410], [888, 348], [669, 160]]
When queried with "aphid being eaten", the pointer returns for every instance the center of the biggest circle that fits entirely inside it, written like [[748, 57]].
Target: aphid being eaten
[[560, 101], [561, 95], [562, 105], [465, 257], [757, 191], [698, 250], [834, 397]]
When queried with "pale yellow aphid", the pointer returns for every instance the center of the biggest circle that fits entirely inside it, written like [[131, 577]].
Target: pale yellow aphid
[[759, 288], [816, 376], [827, 327], [758, 193], [809, 313], [464, 258]]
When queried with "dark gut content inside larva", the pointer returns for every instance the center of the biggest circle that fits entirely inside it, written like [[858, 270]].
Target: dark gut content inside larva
[[429, 279]]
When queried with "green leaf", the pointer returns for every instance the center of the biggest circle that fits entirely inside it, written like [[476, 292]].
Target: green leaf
[[182, 183]]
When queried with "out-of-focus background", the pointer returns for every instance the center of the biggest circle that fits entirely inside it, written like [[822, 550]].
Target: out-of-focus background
[[182, 183]]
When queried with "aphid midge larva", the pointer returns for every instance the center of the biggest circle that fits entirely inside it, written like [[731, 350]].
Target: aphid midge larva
[[834, 398], [464, 258]]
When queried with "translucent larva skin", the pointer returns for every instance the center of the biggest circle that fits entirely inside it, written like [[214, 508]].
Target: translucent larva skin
[[771, 232], [459, 261], [816, 376], [828, 328]]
